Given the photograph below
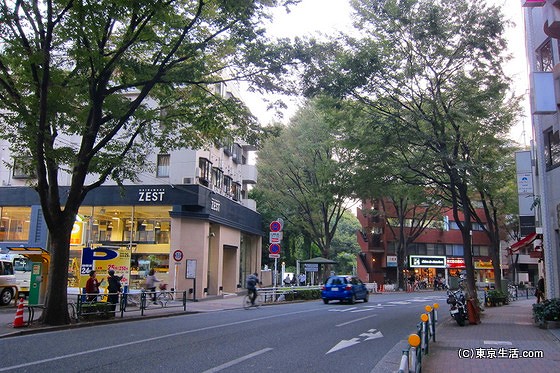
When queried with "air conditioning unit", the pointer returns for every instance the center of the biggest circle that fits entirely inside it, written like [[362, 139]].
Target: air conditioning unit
[[189, 180]]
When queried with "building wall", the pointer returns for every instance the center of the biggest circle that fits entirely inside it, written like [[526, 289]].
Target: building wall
[[541, 25]]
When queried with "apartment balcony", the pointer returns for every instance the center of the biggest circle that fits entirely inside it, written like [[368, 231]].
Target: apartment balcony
[[250, 204], [551, 15], [532, 3], [543, 94], [249, 174]]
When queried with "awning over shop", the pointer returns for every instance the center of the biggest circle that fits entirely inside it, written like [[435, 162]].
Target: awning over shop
[[527, 240]]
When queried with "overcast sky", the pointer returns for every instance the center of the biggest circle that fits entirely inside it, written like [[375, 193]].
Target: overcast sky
[[329, 16]]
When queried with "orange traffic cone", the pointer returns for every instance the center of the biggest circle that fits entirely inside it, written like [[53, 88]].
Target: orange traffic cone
[[18, 321]]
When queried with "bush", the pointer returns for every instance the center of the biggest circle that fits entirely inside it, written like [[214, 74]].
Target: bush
[[305, 294], [495, 297], [547, 310], [92, 311]]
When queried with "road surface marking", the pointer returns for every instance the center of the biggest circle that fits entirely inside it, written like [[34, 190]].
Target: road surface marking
[[352, 321], [371, 334], [498, 343], [343, 344], [145, 340], [237, 361]]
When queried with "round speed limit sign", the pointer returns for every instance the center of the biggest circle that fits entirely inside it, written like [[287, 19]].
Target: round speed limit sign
[[178, 255]]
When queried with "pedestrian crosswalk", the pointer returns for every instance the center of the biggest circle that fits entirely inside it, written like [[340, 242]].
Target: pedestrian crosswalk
[[365, 307]]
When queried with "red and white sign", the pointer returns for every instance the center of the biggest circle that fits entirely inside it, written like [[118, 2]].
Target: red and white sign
[[274, 248], [178, 255], [275, 226], [455, 262], [275, 237]]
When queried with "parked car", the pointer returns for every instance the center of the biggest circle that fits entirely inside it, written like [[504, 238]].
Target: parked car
[[344, 288]]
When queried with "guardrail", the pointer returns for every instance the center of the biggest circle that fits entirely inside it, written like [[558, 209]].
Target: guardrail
[[419, 343]]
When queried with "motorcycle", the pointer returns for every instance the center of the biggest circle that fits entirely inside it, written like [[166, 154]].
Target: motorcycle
[[458, 306]]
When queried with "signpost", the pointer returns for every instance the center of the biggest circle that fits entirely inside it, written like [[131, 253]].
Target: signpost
[[190, 273], [274, 248]]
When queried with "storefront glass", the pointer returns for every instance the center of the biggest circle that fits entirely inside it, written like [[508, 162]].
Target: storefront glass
[[145, 230], [14, 225]]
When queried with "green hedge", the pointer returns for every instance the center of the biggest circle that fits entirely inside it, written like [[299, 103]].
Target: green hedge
[[99, 310], [302, 294]]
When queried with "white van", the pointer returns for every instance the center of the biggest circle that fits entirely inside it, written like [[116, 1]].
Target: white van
[[8, 287]]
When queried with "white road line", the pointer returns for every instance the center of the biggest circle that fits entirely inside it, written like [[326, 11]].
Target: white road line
[[350, 322], [237, 361], [146, 340]]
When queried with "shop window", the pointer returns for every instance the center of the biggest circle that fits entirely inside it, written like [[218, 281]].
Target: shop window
[[552, 149], [163, 161], [14, 223]]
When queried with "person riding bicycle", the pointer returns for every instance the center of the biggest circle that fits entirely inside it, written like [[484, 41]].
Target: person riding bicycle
[[251, 284]]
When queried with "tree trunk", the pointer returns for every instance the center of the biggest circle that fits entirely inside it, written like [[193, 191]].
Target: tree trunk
[[56, 301]]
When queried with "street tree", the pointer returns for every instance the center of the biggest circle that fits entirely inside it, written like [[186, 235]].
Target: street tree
[[304, 175], [90, 88], [433, 71]]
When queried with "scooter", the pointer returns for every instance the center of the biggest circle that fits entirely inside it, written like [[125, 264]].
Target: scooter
[[458, 304]]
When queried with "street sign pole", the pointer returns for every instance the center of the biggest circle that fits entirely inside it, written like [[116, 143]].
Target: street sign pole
[[275, 272]]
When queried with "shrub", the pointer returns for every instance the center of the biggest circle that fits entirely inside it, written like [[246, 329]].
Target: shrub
[[495, 297], [305, 294], [547, 310]]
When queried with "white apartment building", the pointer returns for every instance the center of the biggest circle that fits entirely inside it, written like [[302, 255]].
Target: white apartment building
[[190, 219], [542, 27]]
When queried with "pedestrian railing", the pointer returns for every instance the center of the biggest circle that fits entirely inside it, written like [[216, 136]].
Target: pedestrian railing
[[419, 343], [89, 306]]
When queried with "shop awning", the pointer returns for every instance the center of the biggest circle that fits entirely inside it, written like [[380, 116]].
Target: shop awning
[[523, 242]]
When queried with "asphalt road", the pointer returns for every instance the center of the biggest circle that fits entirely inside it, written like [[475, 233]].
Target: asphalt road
[[299, 337]]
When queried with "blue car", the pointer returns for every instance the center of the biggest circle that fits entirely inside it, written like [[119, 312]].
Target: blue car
[[344, 288]]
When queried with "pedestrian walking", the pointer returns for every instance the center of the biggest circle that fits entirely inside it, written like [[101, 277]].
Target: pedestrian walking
[[540, 290]]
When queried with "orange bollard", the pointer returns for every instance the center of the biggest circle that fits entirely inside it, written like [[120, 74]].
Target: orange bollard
[[18, 321]]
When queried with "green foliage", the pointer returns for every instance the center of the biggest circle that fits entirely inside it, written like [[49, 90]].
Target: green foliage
[[98, 310], [302, 294], [547, 310], [93, 89], [304, 176]]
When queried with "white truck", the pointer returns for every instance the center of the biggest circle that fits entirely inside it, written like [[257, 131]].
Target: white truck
[[8, 287], [21, 269]]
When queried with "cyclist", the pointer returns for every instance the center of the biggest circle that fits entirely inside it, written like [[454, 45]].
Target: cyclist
[[251, 284]]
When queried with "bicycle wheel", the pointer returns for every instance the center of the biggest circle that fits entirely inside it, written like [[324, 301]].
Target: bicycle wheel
[[247, 302], [259, 300]]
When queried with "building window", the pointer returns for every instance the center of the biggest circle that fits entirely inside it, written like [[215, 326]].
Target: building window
[[552, 149], [217, 178], [163, 165], [22, 168], [228, 183], [205, 167], [236, 191], [545, 62], [458, 250]]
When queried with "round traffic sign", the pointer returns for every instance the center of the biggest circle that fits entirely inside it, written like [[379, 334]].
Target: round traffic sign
[[178, 255], [274, 248], [275, 226]]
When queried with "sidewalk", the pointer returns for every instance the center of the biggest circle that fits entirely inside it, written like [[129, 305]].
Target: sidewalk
[[505, 332], [213, 304]]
